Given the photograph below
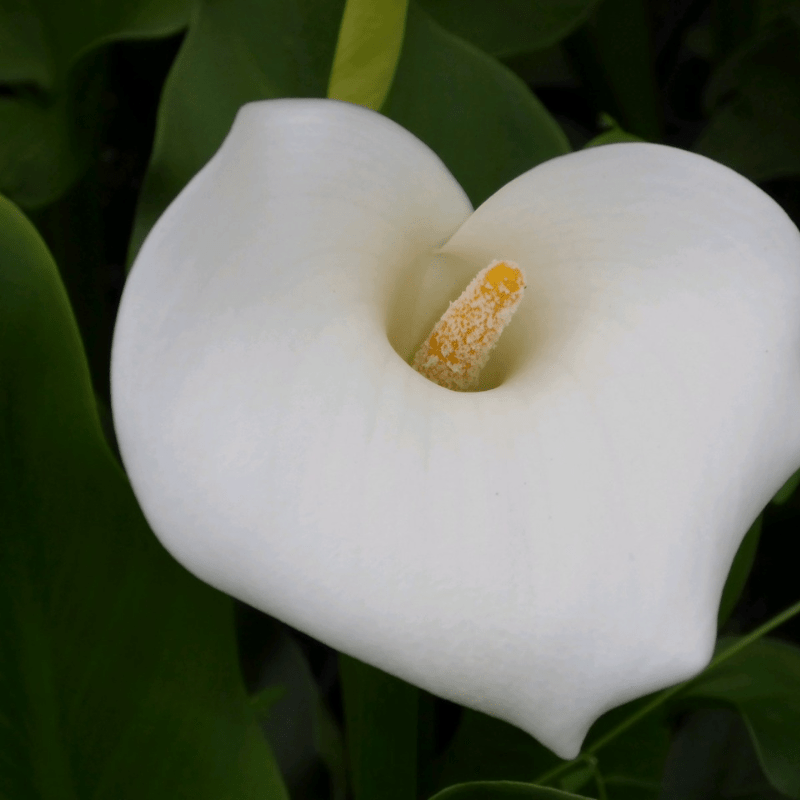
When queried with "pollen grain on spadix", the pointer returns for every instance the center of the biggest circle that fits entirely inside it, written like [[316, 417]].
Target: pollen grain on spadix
[[459, 344]]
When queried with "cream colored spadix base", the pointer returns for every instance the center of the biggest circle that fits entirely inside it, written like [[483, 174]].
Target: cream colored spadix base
[[541, 551]]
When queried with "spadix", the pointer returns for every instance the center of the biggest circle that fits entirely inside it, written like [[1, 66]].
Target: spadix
[[460, 344], [542, 549]]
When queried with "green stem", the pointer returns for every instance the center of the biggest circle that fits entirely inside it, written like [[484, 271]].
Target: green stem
[[746, 641], [598, 781], [668, 694]]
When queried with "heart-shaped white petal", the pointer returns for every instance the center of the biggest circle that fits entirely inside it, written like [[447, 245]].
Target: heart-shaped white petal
[[541, 551]]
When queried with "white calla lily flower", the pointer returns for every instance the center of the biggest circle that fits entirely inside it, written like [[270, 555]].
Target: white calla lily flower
[[542, 549]]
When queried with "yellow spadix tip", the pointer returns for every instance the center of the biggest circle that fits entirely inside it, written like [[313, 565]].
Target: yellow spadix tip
[[459, 344]]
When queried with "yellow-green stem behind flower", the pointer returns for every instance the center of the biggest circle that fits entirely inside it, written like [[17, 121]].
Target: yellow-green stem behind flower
[[367, 52]]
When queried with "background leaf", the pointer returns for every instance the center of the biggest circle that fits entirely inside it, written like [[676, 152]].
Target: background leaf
[[51, 35], [762, 682], [614, 135], [381, 732], [506, 28], [46, 137], [739, 572], [479, 117], [488, 749], [24, 54], [712, 758], [613, 53], [119, 677], [307, 744], [52, 76], [755, 95]]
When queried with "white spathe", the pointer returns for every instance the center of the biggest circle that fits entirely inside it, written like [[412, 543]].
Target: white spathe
[[542, 550]]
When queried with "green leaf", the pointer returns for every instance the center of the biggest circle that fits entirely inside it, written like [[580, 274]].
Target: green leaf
[[50, 111], [297, 725], [755, 127], [613, 54], [370, 39], [506, 28], [480, 118], [768, 11], [488, 749], [762, 682], [712, 758], [264, 702], [48, 37], [236, 51], [23, 48], [381, 732], [733, 23], [331, 749], [119, 675], [614, 135], [503, 790], [46, 140], [739, 572]]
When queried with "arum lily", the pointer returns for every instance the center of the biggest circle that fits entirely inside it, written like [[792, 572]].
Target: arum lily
[[542, 548]]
